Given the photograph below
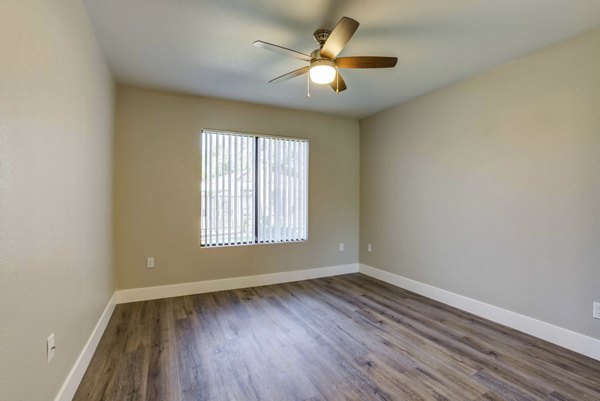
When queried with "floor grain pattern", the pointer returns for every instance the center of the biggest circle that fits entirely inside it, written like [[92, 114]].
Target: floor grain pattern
[[348, 337]]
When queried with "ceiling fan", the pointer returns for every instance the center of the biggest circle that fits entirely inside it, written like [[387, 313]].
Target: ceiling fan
[[323, 63]]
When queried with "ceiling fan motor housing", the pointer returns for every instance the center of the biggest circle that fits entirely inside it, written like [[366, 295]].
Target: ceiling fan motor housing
[[322, 61], [316, 55]]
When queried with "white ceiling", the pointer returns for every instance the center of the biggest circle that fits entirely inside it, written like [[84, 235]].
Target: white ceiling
[[204, 47]]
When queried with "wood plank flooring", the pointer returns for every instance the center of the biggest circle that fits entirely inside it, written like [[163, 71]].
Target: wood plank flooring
[[348, 337]]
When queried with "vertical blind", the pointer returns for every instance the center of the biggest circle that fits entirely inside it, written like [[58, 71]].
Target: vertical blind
[[254, 189]]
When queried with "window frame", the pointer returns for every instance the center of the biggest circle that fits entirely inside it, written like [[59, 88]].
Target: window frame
[[256, 135]]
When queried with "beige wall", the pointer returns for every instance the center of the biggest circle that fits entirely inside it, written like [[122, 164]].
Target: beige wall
[[56, 271], [157, 200], [490, 188]]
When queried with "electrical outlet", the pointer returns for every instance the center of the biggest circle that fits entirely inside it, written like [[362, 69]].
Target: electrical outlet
[[341, 247], [596, 312], [369, 248], [50, 347], [150, 262]]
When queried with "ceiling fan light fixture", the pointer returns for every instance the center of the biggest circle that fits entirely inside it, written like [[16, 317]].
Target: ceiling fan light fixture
[[323, 63], [322, 71]]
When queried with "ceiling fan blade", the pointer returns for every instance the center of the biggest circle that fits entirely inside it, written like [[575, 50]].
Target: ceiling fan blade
[[339, 37], [338, 84], [281, 50], [289, 75], [366, 62]]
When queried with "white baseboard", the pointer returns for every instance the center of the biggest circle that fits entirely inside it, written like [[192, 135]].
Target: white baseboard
[[198, 287], [69, 387], [577, 342]]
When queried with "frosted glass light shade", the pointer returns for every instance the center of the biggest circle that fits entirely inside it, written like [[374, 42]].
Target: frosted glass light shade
[[322, 71]]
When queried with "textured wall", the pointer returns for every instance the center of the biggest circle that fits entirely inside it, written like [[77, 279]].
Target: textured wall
[[157, 198], [56, 126], [490, 188]]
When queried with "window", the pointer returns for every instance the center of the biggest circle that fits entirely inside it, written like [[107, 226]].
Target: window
[[254, 189]]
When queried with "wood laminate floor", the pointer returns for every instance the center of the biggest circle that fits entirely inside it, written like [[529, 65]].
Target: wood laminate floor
[[341, 338]]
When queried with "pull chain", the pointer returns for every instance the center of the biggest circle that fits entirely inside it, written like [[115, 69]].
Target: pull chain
[[337, 80], [308, 86]]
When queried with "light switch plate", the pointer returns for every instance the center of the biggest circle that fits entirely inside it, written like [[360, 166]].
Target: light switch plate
[[50, 347], [150, 262], [596, 312]]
